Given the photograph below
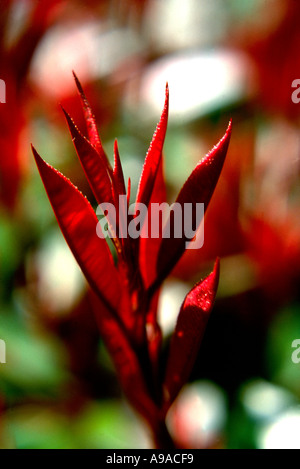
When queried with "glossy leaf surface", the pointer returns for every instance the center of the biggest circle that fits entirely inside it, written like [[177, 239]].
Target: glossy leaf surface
[[188, 333], [198, 188], [78, 221]]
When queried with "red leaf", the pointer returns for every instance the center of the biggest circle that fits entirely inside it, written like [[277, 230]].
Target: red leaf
[[91, 124], [78, 222], [94, 166], [153, 157], [118, 187], [198, 188], [149, 246], [118, 173], [190, 327]]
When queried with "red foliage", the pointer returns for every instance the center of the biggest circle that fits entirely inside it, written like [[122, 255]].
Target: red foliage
[[15, 59], [125, 295]]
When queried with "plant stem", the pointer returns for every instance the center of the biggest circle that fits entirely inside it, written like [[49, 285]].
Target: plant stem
[[162, 437]]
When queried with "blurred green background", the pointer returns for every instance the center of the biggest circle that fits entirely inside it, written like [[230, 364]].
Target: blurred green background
[[222, 59]]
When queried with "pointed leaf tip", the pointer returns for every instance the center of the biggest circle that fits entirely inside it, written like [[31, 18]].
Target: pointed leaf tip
[[153, 157], [167, 92], [94, 164], [118, 174], [91, 125], [204, 293], [77, 82]]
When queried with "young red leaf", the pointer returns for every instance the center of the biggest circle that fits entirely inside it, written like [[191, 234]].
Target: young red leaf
[[149, 246], [153, 157], [198, 188], [78, 222], [118, 188], [91, 124], [118, 173], [187, 337], [94, 166]]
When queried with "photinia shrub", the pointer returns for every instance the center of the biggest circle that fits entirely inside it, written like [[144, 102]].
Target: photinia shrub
[[125, 283]]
